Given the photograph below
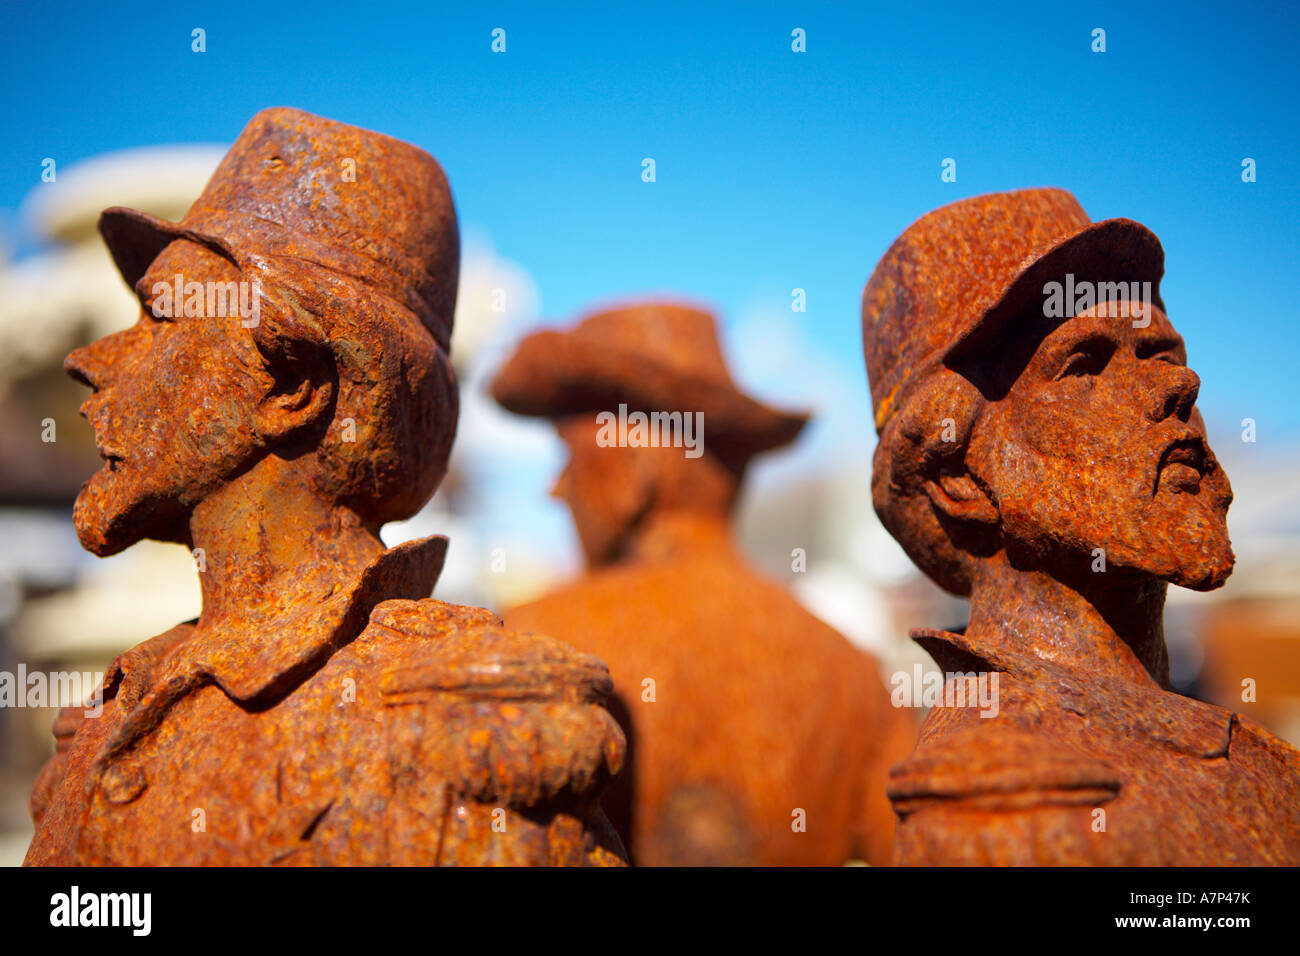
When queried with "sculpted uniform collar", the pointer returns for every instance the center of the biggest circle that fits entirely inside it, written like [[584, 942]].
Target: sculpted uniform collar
[[1145, 711], [249, 666], [252, 665]]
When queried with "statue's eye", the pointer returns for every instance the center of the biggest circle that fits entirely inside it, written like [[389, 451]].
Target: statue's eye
[[1088, 358]]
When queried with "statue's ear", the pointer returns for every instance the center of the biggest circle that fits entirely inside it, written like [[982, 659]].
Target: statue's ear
[[298, 400], [961, 498]]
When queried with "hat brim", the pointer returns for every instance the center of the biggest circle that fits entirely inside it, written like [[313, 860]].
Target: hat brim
[[1114, 250], [135, 239], [554, 374]]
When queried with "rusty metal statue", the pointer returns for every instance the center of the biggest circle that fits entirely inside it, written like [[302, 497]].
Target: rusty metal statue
[[757, 734], [322, 709], [1040, 452]]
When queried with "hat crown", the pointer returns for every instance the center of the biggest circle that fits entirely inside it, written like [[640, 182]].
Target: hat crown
[[351, 200], [677, 338], [953, 267], [656, 356]]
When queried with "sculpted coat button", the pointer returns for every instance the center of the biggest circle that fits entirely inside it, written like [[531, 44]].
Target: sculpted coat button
[[122, 782]]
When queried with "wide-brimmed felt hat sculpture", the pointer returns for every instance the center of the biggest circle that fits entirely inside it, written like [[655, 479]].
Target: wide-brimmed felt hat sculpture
[[653, 356], [957, 276], [296, 186]]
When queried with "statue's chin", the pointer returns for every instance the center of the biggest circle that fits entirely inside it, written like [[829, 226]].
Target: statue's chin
[[95, 531], [1206, 575], [107, 525], [1210, 581], [115, 510]]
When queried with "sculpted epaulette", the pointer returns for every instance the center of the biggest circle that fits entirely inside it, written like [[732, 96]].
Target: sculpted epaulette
[[1034, 798], [495, 732], [1023, 771]]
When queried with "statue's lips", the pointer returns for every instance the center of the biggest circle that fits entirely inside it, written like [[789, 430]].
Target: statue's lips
[[89, 410], [1184, 462]]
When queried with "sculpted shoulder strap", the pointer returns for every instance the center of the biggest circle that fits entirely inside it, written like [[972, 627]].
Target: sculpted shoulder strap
[[1022, 771], [503, 705], [499, 747], [1035, 800]]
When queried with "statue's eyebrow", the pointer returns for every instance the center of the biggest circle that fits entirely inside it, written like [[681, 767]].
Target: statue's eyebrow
[[1153, 343], [1070, 335]]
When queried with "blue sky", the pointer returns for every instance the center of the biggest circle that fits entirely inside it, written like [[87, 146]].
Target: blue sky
[[774, 169]]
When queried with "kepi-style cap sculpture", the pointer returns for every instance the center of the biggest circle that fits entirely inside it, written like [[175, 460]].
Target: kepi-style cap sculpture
[[322, 709], [1040, 452], [757, 734]]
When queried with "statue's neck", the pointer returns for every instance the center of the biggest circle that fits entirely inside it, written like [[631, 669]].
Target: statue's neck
[[267, 543], [665, 535], [1108, 623]]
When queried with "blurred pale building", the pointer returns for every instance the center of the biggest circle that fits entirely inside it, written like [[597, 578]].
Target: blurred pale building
[[65, 610]]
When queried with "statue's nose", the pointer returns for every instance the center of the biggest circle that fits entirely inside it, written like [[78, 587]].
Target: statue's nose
[[83, 367], [1175, 394], [91, 364]]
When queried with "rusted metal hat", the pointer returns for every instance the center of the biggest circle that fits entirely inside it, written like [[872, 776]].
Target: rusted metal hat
[[959, 274], [650, 355], [298, 186]]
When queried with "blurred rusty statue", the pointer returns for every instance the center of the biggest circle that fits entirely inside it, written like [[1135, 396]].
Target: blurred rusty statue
[[756, 733], [322, 709], [1040, 452]]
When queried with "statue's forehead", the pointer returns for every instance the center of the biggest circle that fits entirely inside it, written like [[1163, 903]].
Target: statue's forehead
[[1118, 324], [998, 367]]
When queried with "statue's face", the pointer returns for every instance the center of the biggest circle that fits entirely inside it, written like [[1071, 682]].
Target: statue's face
[[604, 487], [1097, 444], [171, 409]]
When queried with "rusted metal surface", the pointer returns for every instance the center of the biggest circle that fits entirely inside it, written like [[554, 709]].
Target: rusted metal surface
[[1053, 467], [322, 709], [757, 734]]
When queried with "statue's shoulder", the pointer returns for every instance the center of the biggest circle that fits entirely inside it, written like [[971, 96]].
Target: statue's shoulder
[[1032, 798], [430, 645], [991, 740], [503, 715], [1012, 765], [404, 624]]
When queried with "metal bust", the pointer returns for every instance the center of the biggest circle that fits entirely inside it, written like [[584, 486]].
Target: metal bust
[[322, 709], [742, 710], [1040, 452]]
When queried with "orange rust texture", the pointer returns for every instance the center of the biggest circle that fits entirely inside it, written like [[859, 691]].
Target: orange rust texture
[[322, 709], [759, 715], [1054, 468]]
